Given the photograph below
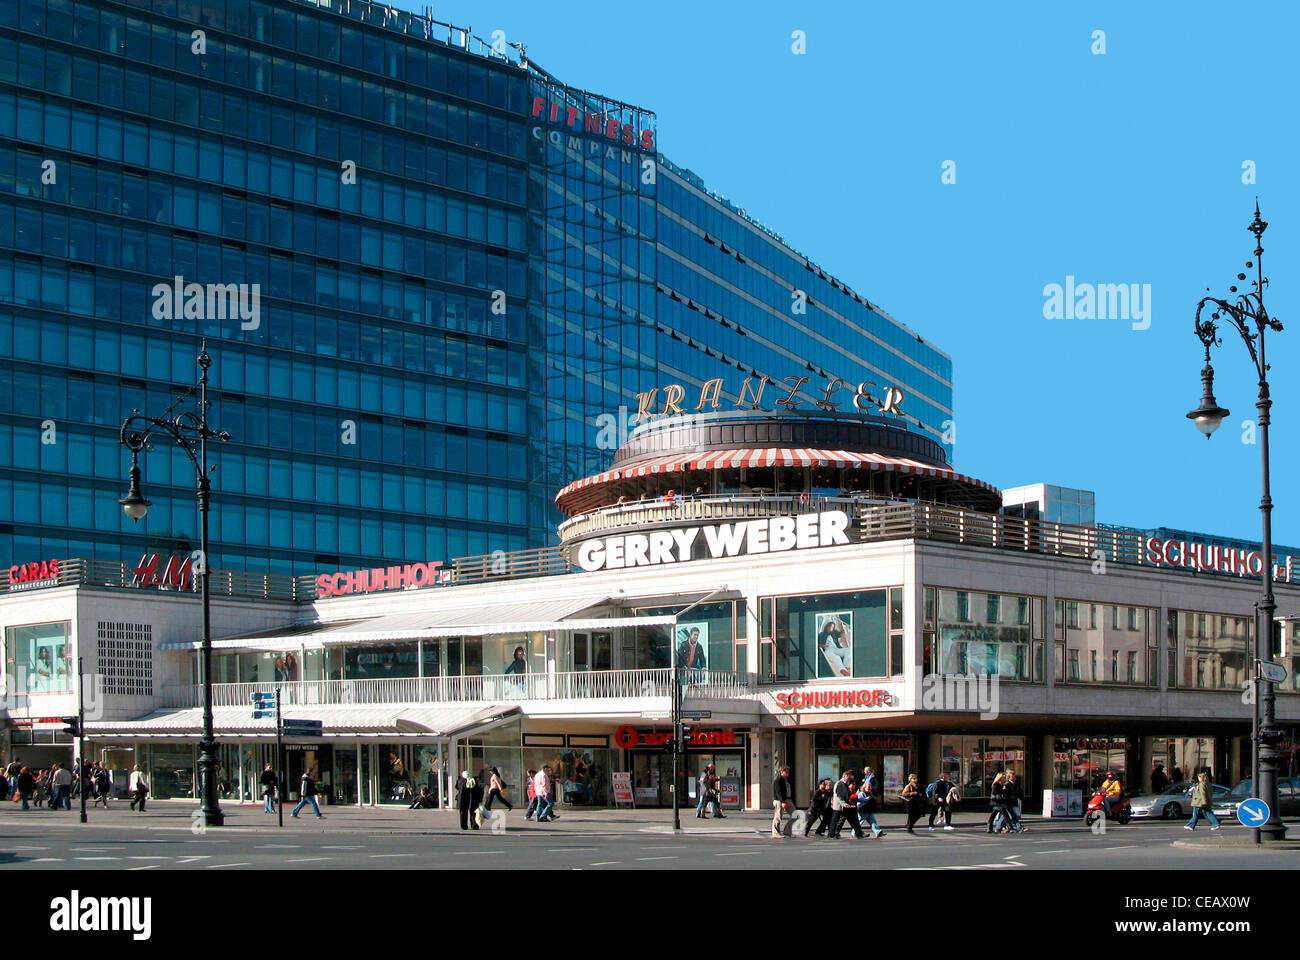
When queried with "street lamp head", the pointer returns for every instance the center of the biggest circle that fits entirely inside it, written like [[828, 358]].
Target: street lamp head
[[134, 505], [1209, 414]]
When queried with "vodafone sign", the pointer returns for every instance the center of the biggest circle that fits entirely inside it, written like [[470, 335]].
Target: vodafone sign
[[629, 738]]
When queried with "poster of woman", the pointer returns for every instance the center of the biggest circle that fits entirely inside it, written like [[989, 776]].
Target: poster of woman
[[835, 644]]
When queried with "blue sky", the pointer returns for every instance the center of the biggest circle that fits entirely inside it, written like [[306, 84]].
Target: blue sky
[[1124, 167]]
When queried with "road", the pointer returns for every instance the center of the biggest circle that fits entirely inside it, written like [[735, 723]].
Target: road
[[597, 840]]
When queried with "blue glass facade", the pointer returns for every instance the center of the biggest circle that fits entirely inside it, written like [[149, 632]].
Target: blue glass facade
[[437, 282]]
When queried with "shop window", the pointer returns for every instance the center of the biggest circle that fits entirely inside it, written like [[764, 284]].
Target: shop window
[[829, 635], [999, 647], [1110, 639], [705, 637], [41, 657]]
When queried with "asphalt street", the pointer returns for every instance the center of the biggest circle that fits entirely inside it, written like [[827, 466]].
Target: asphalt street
[[398, 839]]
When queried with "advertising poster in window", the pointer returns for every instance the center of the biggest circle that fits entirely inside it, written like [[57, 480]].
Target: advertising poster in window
[[42, 657], [891, 775], [835, 644], [692, 645]]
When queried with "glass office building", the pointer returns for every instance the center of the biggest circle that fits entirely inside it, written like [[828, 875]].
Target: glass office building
[[430, 275]]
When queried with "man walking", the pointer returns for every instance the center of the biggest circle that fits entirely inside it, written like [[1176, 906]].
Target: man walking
[[138, 785], [937, 794], [845, 806], [542, 787], [867, 803], [708, 795], [269, 783], [819, 809], [61, 784], [782, 805], [308, 792]]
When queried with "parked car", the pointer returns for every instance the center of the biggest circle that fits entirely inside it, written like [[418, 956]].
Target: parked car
[[1288, 798], [1172, 802]]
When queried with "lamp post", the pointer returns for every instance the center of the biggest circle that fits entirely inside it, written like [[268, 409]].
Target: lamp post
[[1247, 315], [189, 430]]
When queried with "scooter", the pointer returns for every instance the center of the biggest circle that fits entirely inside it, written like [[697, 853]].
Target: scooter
[[1120, 810]]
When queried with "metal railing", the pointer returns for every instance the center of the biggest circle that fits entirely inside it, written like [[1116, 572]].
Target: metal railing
[[107, 573], [488, 688]]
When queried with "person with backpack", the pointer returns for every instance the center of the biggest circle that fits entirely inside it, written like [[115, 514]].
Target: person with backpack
[[937, 794], [867, 803], [138, 785], [844, 803], [308, 794], [819, 809]]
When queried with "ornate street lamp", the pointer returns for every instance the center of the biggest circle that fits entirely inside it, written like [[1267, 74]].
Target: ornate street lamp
[[1247, 314], [189, 429]]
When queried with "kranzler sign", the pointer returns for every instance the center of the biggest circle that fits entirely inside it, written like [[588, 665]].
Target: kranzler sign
[[769, 535]]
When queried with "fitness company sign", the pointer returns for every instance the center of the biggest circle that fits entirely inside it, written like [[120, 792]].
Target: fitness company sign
[[770, 535]]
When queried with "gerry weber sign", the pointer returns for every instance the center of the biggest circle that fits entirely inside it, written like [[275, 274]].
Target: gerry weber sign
[[770, 535]]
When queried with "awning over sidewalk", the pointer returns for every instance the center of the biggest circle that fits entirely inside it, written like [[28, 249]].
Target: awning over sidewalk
[[439, 723], [439, 621]]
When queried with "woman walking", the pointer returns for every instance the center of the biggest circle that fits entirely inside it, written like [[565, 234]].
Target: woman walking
[[465, 800], [1202, 799], [912, 801], [995, 794], [532, 795], [867, 803], [496, 788]]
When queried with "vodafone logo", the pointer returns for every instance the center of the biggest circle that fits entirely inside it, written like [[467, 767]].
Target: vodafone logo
[[626, 737]]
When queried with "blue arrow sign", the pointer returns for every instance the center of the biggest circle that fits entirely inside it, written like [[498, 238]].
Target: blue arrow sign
[[261, 714], [261, 697], [1253, 812]]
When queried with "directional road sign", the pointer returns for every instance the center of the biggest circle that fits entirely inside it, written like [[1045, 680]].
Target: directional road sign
[[1274, 672], [1253, 812], [301, 728], [697, 714]]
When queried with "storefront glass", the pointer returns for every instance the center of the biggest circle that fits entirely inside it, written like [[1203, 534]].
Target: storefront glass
[[890, 756], [1214, 650], [403, 769], [1081, 763], [981, 634], [706, 635], [825, 635], [972, 762], [1108, 643], [173, 769], [38, 657], [381, 661]]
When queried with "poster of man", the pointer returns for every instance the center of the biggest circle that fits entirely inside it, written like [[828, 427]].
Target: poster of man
[[692, 645], [835, 644]]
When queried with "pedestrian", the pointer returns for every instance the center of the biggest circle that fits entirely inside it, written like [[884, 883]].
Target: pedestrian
[[496, 791], [709, 794], [25, 784], [42, 787], [819, 809], [138, 785], [1159, 779], [103, 786], [844, 803], [1202, 803], [61, 779], [867, 802], [995, 793], [912, 801], [269, 784], [307, 794], [953, 798], [465, 800], [782, 805], [542, 787], [937, 794], [1014, 796], [532, 795]]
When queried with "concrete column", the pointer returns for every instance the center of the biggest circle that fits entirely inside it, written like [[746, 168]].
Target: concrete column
[[1234, 764], [933, 759], [760, 768], [1046, 767], [1140, 779]]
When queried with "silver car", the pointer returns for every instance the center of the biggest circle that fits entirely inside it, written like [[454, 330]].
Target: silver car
[[1172, 802]]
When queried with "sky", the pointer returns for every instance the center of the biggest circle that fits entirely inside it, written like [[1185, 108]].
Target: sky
[[1115, 167]]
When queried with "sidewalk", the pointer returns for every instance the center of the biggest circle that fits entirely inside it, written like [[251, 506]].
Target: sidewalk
[[181, 815]]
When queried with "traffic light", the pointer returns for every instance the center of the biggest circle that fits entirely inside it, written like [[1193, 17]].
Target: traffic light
[[73, 728]]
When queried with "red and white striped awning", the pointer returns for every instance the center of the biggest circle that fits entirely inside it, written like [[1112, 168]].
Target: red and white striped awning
[[773, 457]]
